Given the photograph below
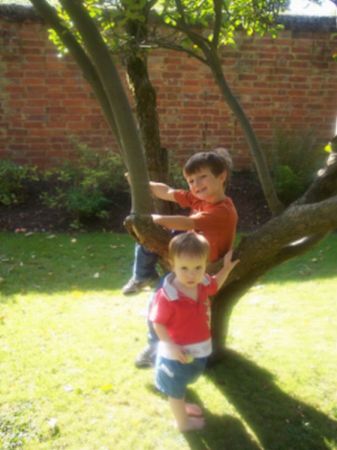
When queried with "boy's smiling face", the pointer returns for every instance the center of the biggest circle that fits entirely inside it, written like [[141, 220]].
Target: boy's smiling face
[[206, 186]]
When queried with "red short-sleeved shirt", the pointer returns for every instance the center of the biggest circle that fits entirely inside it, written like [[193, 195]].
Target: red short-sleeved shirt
[[186, 320], [217, 221]]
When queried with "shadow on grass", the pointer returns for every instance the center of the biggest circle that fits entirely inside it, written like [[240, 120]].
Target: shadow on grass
[[221, 433], [279, 421]]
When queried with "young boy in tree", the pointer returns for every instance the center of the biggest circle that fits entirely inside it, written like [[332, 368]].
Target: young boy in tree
[[212, 214], [180, 316]]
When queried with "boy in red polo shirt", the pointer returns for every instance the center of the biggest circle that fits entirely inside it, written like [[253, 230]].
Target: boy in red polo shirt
[[180, 316]]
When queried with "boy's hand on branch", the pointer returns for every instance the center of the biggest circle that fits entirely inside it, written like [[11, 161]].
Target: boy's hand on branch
[[228, 264], [162, 191]]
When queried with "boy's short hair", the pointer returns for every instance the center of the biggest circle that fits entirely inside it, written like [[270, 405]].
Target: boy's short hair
[[190, 244], [217, 160]]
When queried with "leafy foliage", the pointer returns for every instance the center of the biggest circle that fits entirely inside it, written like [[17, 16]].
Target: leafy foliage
[[294, 159], [176, 177], [218, 21], [14, 179], [84, 185]]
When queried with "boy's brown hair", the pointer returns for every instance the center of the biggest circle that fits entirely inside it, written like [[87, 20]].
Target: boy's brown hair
[[190, 244], [217, 161]]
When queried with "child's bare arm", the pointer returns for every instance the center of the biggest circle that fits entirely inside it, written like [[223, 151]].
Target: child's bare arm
[[228, 266], [162, 191], [182, 223], [164, 337]]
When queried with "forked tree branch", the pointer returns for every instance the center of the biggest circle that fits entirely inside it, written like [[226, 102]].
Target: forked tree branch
[[50, 16], [131, 143]]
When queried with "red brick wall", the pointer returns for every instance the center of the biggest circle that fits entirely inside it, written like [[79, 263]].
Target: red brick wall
[[289, 82]]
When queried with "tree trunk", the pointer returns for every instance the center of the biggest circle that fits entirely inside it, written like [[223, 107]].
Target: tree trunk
[[146, 107], [131, 143]]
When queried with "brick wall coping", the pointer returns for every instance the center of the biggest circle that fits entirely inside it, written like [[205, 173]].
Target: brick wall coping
[[20, 13]]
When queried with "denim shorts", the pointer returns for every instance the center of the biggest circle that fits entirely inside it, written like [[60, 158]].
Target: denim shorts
[[172, 376]]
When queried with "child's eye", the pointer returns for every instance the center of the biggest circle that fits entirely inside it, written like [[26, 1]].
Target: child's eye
[[198, 268]]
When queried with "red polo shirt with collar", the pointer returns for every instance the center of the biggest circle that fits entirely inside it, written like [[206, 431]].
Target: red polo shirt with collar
[[186, 319]]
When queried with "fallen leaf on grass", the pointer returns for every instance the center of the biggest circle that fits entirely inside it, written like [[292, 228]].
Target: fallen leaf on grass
[[106, 388]]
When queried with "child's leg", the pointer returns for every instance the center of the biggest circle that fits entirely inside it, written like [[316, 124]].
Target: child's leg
[[184, 422], [144, 265]]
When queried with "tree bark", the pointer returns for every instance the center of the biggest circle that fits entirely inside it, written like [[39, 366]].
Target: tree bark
[[127, 130], [146, 106]]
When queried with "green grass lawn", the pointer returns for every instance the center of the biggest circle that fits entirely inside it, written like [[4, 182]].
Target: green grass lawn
[[68, 339]]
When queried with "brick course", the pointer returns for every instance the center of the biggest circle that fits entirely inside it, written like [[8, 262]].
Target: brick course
[[289, 82]]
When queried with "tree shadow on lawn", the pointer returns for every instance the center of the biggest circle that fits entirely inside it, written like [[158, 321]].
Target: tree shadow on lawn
[[279, 421]]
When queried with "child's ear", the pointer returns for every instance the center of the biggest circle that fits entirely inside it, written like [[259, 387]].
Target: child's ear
[[223, 176]]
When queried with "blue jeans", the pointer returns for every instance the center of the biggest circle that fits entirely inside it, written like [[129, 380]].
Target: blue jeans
[[144, 265], [151, 334], [172, 377]]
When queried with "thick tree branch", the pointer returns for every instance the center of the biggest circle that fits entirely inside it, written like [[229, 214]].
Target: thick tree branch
[[127, 129], [325, 183], [259, 251], [154, 237], [258, 156], [50, 16]]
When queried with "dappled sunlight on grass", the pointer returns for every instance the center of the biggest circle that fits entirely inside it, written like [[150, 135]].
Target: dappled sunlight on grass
[[47, 263]]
